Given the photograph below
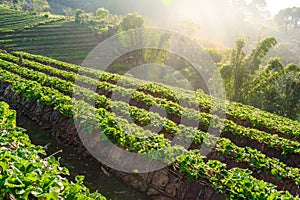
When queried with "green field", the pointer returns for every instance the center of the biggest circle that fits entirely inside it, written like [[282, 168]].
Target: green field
[[14, 21], [253, 144], [56, 38], [211, 148]]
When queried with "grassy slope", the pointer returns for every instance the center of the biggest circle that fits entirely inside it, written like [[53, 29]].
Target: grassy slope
[[63, 39]]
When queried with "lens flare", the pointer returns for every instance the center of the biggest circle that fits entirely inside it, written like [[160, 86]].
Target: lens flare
[[167, 2]]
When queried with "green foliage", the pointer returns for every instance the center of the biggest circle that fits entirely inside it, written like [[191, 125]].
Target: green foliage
[[102, 13], [36, 29], [272, 88], [33, 6], [40, 5], [49, 88], [254, 117], [288, 19], [100, 24], [214, 54], [12, 20], [275, 65], [169, 107], [233, 71], [131, 21], [80, 16], [276, 89], [257, 55], [236, 183], [25, 175], [238, 73]]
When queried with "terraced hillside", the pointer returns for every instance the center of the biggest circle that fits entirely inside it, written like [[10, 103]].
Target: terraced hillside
[[14, 21], [60, 39], [257, 155], [25, 175]]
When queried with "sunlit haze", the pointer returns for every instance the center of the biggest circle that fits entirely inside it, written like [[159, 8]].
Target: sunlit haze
[[220, 20], [274, 6]]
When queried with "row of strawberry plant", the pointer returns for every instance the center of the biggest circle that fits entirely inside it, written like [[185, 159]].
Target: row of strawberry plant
[[25, 175], [190, 163], [38, 37], [271, 140], [258, 161], [213, 171], [17, 26], [41, 39], [66, 48], [236, 183], [115, 128], [6, 31], [17, 20], [252, 116], [145, 118]]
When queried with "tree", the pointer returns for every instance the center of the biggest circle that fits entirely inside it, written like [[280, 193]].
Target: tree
[[258, 10], [40, 5], [102, 13], [239, 71], [232, 71], [131, 21], [78, 14], [81, 17], [189, 27], [215, 55], [68, 11], [257, 55], [32, 5], [259, 4], [277, 89], [288, 19], [255, 9]]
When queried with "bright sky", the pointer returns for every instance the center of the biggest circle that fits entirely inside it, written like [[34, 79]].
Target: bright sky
[[274, 6]]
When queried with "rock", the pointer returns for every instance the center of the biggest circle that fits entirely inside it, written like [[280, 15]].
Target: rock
[[160, 178], [139, 185], [45, 116], [209, 193], [38, 110], [171, 188], [161, 198], [7, 90], [54, 116], [144, 176], [126, 178], [152, 192]]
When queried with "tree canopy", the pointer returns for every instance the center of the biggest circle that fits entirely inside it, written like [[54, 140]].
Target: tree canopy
[[238, 72], [132, 21], [288, 19], [29, 5]]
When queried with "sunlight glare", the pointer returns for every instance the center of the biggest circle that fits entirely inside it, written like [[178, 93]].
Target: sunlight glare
[[167, 2]]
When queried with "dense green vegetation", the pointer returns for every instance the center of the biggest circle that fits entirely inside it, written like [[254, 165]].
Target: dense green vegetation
[[13, 21], [270, 86], [26, 171], [254, 153], [244, 75], [32, 6], [64, 40], [53, 85]]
